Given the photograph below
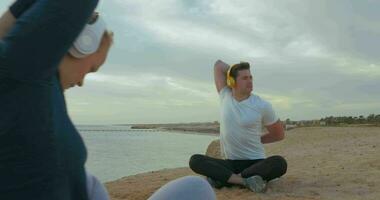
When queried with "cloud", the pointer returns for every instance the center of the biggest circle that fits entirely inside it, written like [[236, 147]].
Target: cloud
[[152, 84], [358, 67], [309, 58], [127, 98]]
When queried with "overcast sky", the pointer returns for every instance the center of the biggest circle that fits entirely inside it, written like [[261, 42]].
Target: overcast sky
[[310, 59]]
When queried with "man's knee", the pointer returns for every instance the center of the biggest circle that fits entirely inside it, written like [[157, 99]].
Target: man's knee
[[195, 161], [280, 164]]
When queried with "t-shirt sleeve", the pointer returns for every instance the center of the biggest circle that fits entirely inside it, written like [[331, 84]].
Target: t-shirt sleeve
[[269, 116]]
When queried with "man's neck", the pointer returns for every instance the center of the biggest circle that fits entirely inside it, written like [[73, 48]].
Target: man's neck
[[240, 97]]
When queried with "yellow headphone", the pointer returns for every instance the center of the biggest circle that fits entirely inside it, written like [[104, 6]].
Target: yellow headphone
[[230, 80]]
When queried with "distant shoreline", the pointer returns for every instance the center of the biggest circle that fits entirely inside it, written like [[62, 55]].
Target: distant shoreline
[[207, 127], [213, 127], [197, 128]]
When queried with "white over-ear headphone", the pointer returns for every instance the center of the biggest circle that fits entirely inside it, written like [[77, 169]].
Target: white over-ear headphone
[[89, 39]]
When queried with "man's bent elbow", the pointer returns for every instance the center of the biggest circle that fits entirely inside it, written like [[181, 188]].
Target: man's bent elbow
[[220, 66]]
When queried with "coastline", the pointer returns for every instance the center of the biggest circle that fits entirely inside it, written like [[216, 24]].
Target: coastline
[[209, 128]]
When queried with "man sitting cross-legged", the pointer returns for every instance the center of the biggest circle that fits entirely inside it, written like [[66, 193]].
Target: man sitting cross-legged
[[243, 116]]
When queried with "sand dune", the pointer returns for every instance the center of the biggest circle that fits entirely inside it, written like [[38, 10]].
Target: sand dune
[[323, 163]]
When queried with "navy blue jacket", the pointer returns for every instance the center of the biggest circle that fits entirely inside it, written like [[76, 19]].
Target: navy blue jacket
[[42, 155]]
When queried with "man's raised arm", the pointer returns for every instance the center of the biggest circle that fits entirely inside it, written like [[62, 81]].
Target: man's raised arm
[[220, 73]]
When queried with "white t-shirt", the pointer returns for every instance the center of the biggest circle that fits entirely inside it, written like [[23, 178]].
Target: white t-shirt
[[241, 125]]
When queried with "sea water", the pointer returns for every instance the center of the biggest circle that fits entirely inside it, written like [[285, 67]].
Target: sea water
[[118, 151]]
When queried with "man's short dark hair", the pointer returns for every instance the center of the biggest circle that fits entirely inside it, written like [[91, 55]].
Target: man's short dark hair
[[238, 67]]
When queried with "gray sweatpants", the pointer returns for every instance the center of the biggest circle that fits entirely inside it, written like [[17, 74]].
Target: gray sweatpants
[[95, 189], [185, 188]]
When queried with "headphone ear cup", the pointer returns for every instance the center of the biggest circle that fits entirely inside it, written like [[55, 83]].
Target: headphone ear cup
[[76, 53], [86, 43], [89, 39], [230, 79], [232, 82]]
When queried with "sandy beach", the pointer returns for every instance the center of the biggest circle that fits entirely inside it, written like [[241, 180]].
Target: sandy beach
[[323, 163]]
